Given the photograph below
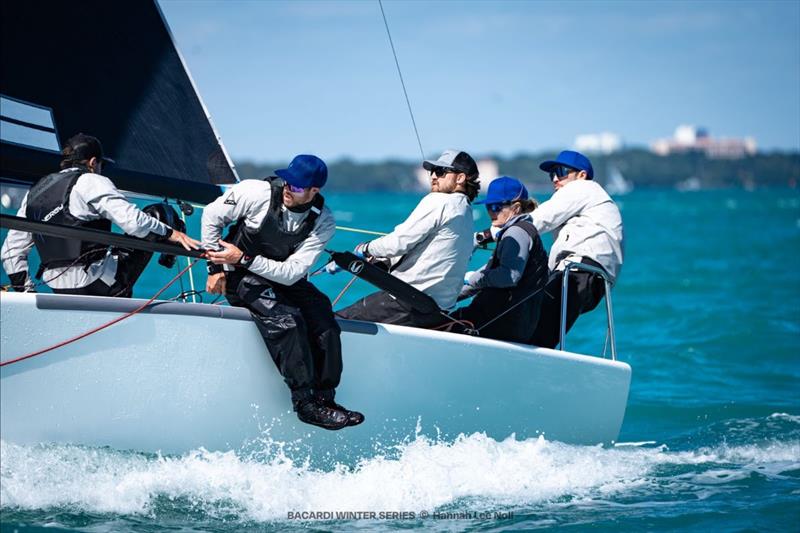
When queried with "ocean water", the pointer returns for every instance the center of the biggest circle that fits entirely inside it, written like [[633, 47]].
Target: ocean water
[[707, 313]]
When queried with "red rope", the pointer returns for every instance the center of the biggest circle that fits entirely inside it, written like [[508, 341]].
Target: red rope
[[103, 326]]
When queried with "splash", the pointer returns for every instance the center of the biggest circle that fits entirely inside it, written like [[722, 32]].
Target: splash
[[472, 471]]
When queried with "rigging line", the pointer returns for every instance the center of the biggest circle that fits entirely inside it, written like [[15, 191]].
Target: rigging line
[[528, 297], [357, 230], [349, 283], [102, 326], [402, 82]]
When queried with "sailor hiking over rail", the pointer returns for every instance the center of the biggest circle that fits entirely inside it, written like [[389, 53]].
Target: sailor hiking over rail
[[280, 227]]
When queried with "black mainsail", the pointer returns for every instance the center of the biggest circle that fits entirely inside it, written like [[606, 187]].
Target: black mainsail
[[109, 69]]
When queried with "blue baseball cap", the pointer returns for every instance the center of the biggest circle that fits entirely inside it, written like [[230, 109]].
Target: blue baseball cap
[[570, 159], [503, 190], [305, 171]]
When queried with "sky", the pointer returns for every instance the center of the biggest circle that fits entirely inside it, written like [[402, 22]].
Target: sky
[[497, 77]]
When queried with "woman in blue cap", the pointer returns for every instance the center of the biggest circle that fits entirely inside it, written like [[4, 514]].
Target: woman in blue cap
[[514, 278]]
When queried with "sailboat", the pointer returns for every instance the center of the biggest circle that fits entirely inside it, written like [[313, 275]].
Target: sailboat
[[616, 184], [176, 376]]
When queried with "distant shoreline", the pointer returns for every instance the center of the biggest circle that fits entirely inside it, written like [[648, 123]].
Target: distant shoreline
[[638, 167]]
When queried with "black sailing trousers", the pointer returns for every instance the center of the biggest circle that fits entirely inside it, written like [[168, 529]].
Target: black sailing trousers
[[384, 308], [298, 327], [584, 292]]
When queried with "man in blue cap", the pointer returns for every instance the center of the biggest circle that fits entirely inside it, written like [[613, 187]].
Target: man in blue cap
[[281, 226], [587, 228]]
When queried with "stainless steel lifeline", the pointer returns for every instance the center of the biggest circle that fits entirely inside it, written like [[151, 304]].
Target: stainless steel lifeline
[[571, 265]]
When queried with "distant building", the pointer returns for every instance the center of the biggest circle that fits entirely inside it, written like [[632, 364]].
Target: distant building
[[598, 143], [694, 139]]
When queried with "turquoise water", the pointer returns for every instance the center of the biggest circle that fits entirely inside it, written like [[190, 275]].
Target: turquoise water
[[707, 312]]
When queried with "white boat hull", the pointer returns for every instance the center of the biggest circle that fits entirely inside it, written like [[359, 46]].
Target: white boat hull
[[182, 376]]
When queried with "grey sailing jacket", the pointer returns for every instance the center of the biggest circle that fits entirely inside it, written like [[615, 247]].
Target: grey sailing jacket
[[249, 201]]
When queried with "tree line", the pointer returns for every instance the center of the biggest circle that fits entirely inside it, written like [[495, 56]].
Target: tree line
[[640, 167]]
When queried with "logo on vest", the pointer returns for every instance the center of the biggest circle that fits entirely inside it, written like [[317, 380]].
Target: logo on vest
[[53, 213], [356, 267], [230, 200], [269, 294]]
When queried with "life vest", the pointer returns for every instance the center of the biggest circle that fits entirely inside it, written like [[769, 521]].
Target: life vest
[[535, 274], [48, 201], [270, 239]]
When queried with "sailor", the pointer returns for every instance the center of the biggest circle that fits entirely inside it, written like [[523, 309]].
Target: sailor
[[431, 249], [508, 289], [587, 228], [78, 195], [281, 226]]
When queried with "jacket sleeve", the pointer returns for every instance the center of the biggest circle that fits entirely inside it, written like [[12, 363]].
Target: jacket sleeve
[[245, 200], [512, 253], [425, 218], [563, 205], [96, 194], [297, 265], [16, 248]]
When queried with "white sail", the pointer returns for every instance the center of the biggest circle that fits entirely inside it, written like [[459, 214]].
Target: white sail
[[616, 184]]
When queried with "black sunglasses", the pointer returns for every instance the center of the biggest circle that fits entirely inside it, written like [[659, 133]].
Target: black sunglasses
[[561, 171], [497, 207], [441, 171]]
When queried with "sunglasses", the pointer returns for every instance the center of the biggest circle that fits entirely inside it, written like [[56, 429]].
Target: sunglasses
[[496, 208], [561, 172], [441, 172], [296, 190]]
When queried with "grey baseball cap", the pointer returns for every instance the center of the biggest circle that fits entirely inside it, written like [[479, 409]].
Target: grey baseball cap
[[455, 159]]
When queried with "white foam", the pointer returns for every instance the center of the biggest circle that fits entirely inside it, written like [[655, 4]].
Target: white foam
[[424, 475], [785, 416]]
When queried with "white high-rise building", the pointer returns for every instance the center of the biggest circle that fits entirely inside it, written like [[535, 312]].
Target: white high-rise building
[[598, 143], [692, 138]]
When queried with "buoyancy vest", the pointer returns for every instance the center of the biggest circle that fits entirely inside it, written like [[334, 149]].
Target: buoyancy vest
[[270, 239], [48, 201], [535, 275]]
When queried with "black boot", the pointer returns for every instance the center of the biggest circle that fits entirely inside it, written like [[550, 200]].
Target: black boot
[[311, 411], [325, 398]]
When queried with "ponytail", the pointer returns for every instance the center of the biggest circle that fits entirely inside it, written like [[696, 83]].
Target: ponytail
[[527, 205]]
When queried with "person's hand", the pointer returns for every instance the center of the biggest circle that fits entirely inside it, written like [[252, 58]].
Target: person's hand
[[216, 283], [228, 255], [467, 277], [361, 251], [184, 240], [482, 238], [332, 268]]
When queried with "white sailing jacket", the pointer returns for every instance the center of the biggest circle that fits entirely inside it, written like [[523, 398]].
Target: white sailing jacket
[[249, 200], [436, 244], [586, 222], [93, 197]]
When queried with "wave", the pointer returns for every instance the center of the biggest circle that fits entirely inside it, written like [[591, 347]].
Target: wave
[[474, 472]]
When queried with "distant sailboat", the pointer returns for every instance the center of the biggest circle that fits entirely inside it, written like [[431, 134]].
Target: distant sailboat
[[616, 184], [689, 184]]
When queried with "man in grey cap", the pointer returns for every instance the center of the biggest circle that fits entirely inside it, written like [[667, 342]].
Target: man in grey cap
[[431, 249]]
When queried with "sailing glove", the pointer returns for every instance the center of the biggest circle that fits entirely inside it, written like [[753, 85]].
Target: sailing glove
[[482, 238]]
